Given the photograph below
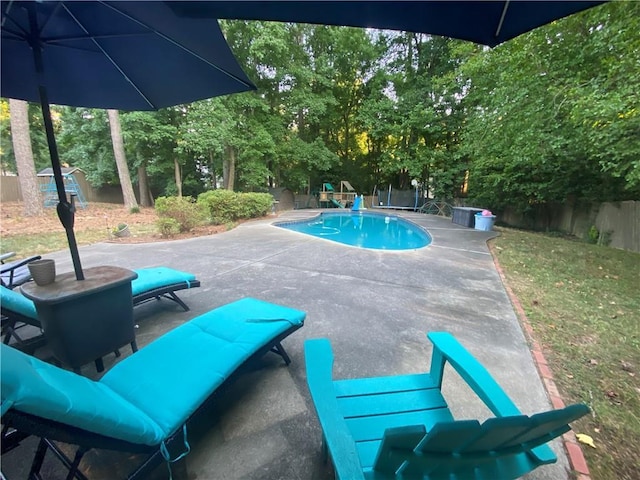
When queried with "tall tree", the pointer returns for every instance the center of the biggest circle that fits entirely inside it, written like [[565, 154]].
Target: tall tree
[[85, 142], [121, 160], [32, 201], [553, 114], [151, 146]]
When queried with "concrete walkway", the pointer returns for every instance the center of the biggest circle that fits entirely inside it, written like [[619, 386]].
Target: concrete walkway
[[375, 306]]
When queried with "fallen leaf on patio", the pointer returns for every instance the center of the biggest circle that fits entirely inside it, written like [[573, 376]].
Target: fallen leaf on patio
[[586, 439]]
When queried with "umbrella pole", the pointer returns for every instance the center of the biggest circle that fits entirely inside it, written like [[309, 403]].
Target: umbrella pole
[[65, 208]]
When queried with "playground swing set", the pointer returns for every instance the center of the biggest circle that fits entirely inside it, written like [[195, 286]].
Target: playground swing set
[[329, 198], [71, 186]]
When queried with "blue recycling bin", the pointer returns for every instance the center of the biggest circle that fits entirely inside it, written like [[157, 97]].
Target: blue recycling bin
[[484, 222]]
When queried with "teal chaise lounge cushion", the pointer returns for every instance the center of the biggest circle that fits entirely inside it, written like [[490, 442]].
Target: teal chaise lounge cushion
[[159, 277], [15, 302], [148, 396]]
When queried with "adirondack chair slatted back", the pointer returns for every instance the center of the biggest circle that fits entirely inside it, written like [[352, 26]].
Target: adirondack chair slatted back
[[547, 425], [453, 447], [396, 447], [439, 449]]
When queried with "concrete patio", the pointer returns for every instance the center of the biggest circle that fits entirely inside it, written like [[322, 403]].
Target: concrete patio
[[375, 306]]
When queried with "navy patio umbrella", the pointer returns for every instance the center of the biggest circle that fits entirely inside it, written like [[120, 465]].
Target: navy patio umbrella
[[112, 55], [487, 22]]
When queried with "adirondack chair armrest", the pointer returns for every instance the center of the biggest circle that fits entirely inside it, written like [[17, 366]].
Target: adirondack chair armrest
[[336, 435], [447, 349]]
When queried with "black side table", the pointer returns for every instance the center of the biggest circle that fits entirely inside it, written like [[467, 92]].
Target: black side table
[[83, 320]]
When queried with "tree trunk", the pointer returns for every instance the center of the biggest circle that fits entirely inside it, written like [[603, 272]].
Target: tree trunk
[[213, 172], [121, 160], [177, 171], [229, 169], [143, 186], [31, 198]]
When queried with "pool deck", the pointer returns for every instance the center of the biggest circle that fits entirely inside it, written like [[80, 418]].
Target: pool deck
[[375, 306]]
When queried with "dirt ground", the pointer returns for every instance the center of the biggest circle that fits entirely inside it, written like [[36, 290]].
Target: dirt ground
[[97, 217]]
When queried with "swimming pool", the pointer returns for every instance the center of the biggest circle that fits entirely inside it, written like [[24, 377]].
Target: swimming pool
[[363, 230]]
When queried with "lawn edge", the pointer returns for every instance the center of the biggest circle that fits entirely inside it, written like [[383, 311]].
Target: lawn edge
[[572, 448]]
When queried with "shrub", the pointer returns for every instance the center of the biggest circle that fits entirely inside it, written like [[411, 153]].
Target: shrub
[[134, 210], [221, 206], [255, 205], [183, 210], [593, 234], [168, 227], [225, 206]]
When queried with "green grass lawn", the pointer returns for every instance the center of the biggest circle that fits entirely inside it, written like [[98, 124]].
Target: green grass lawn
[[43, 243], [583, 302]]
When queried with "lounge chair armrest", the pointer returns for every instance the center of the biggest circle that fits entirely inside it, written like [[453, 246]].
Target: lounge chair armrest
[[319, 364], [447, 349], [7, 255], [16, 273], [7, 267]]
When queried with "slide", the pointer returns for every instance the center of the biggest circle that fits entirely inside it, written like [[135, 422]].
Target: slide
[[336, 203]]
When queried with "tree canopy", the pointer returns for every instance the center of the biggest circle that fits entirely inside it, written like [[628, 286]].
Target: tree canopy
[[549, 115]]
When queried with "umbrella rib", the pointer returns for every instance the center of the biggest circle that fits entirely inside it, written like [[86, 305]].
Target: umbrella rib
[[142, 95], [182, 47], [504, 14], [23, 34]]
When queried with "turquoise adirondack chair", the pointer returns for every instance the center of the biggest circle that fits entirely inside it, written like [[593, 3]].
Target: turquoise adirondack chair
[[400, 427]]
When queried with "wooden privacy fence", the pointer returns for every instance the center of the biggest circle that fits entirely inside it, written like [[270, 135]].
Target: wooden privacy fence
[[10, 189], [618, 223]]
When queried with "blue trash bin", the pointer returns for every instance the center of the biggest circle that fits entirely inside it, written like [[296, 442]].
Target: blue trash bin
[[484, 222]]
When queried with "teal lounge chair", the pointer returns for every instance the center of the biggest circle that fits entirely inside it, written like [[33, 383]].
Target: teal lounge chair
[[400, 427], [161, 282], [152, 283], [145, 402]]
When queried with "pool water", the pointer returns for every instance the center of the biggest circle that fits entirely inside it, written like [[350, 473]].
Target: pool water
[[364, 230]]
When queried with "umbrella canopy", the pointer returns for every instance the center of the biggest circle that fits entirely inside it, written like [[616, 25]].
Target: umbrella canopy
[[488, 22], [112, 55], [119, 55]]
